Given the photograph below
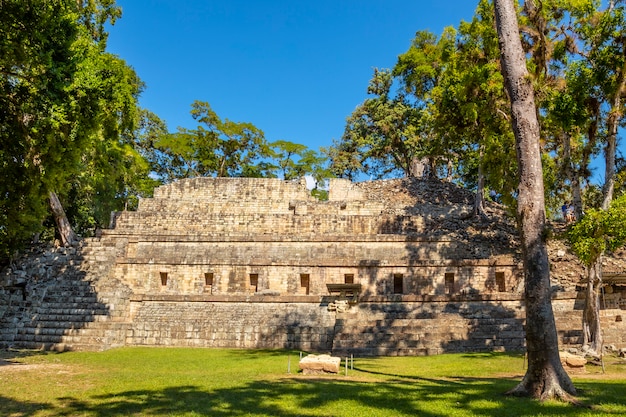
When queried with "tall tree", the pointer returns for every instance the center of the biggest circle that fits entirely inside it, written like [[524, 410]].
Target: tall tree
[[466, 108], [216, 147], [36, 67], [567, 117], [599, 231], [295, 160], [62, 94], [545, 377], [603, 62], [383, 134], [608, 57]]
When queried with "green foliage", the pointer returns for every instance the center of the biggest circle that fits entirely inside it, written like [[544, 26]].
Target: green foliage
[[442, 104], [222, 148], [382, 136], [470, 108], [599, 231], [216, 147], [320, 193], [36, 73], [69, 112], [444, 101], [295, 161]]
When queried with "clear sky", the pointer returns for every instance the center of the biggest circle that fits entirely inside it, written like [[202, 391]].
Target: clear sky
[[294, 68]]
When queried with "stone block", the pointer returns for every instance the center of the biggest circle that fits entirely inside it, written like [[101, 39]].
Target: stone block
[[573, 362], [319, 364]]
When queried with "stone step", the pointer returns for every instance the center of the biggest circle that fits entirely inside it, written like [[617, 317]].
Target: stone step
[[71, 328], [90, 293], [53, 302], [70, 319], [62, 346], [33, 345], [86, 338], [78, 309], [72, 302], [382, 351]]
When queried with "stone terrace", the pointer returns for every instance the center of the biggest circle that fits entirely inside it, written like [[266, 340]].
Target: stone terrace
[[245, 263]]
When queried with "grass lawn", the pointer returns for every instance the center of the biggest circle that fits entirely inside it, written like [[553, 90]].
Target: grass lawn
[[216, 382]]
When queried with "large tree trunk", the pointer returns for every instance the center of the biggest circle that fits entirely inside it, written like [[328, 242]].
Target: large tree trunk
[[419, 168], [545, 377], [613, 120], [571, 173], [68, 237], [479, 199], [592, 333]]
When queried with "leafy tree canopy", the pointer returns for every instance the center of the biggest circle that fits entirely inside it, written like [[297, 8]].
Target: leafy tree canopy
[[599, 231], [66, 106]]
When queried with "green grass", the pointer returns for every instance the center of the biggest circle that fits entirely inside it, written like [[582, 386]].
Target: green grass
[[211, 382]]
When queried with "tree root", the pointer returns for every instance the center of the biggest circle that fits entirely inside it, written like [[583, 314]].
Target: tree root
[[550, 392]]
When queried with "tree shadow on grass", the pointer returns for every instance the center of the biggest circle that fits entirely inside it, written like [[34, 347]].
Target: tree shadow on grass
[[12, 407], [12, 356], [336, 396]]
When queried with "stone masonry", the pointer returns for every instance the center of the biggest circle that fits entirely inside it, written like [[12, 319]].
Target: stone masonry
[[245, 263]]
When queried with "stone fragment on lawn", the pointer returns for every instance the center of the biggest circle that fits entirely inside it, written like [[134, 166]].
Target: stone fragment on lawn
[[319, 364], [572, 361]]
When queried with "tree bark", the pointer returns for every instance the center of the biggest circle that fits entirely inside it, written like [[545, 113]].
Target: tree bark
[[572, 174], [610, 149], [68, 237], [545, 377], [592, 330], [418, 168], [479, 199]]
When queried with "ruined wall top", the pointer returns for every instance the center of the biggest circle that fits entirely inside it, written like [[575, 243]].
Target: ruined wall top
[[255, 209], [257, 196], [233, 189], [344, 190], [236, 189]]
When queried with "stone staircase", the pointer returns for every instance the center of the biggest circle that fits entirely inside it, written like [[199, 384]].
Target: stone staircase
[[410, 329], [65, 299]]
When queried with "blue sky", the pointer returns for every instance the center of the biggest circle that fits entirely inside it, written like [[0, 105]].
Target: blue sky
[[295, 69]]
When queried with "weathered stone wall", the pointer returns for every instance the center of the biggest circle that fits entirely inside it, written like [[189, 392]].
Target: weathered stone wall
[[433, 326], [244, 263], [239, 236], [191, 278], [232, 323], [402, 325], [440, 324]]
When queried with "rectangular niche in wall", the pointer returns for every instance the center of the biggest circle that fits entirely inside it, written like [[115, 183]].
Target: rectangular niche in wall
[[500, 282], [208, 282], [163, 278], [398, 283], [305, 281], [254, 282], [348, 278], [449, 282]]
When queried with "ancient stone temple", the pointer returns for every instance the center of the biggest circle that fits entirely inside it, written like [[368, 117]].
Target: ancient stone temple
[[396, 267]]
